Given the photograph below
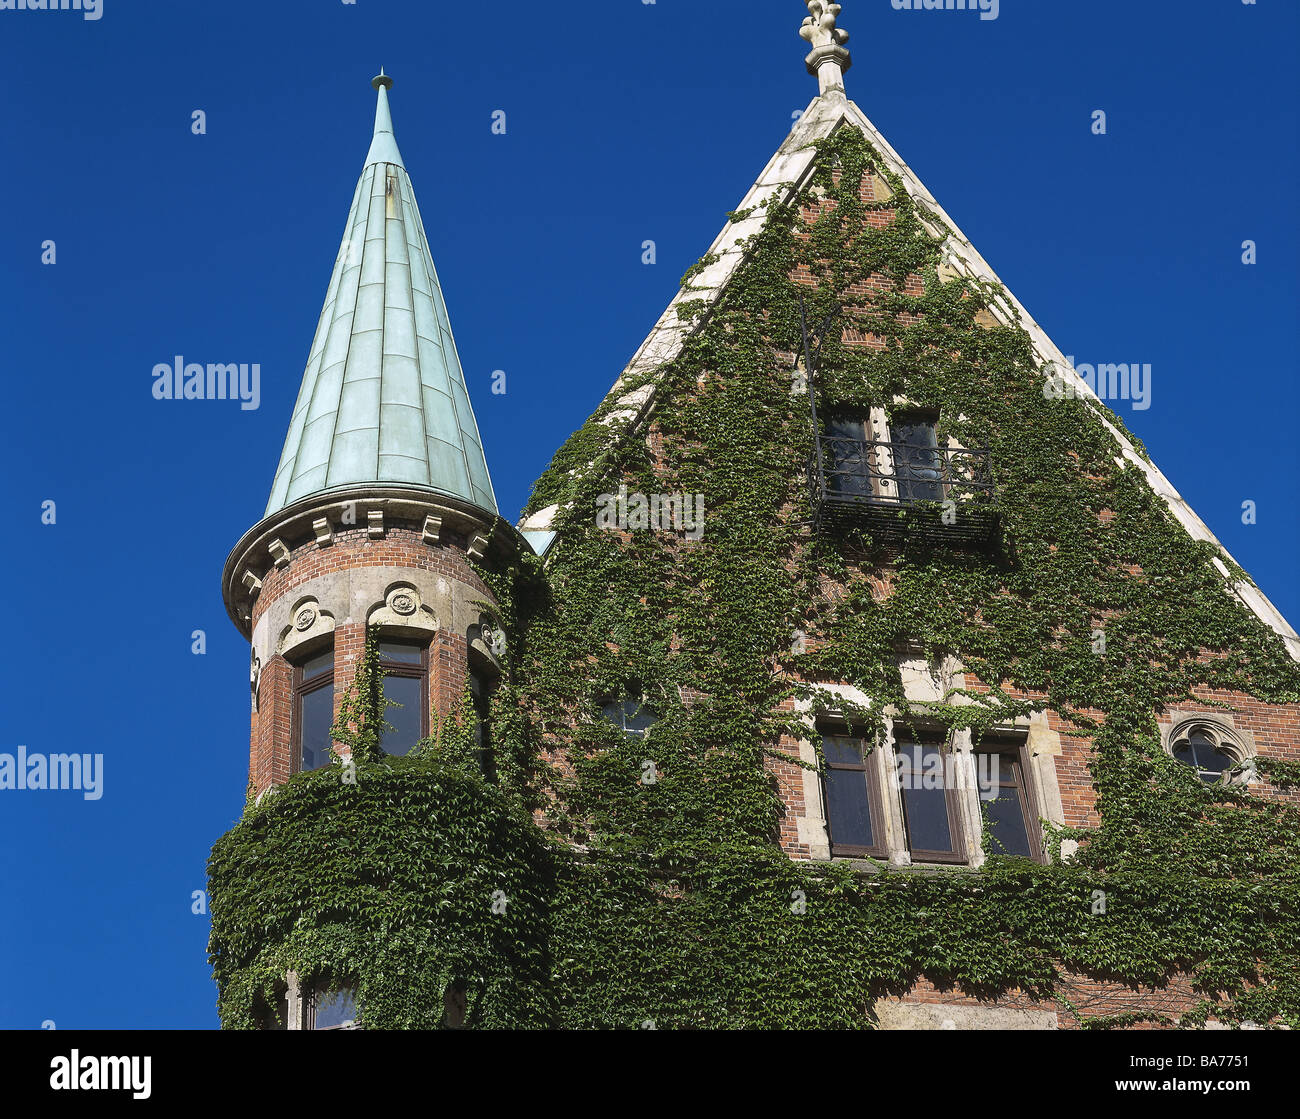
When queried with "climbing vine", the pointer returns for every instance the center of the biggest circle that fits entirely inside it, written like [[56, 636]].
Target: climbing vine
[[669, 900]]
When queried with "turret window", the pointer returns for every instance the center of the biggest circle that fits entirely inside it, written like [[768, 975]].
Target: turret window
[[313, 710], [406, 682]]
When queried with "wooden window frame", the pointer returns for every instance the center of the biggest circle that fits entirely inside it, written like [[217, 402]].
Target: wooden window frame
[[960, 854], [408, 671], [1019, 751], [870, 770], [299, 690]]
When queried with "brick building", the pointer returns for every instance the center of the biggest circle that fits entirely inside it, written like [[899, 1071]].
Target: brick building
[[852, 585]]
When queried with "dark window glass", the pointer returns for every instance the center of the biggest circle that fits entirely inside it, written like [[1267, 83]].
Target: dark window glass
[[1004, 797], [321, 663], [918, 464], [454, 1005], [481, 689], [632, 715], [406, 682], [1200, 752], [315, 717], [406, 721], [335, 1009], [276, 1016], [926, 800], [849, 798], [848, 455], [848, 810]]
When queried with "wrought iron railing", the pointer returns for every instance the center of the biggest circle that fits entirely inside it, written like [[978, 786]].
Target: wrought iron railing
[[953, 485]]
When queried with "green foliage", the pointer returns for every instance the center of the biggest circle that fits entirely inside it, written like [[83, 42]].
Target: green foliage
[[671, 901]]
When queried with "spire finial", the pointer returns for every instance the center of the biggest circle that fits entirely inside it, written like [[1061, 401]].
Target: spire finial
[[828, 60], [383, 148]]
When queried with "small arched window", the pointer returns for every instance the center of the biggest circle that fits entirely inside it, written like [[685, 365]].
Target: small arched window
[[1209, 748]]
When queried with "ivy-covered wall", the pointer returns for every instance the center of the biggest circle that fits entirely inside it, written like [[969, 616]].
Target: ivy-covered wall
[[669, 902]]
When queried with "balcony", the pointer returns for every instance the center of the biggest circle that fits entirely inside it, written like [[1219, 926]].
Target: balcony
[[897, 489]]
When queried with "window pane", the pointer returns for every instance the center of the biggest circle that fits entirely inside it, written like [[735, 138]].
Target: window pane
[[846, 427], [400, 652], [1008, 831], [315, 717], [918, 465], [840, 750], [323, 662], [407, 720], [925, 800], [848, 809], [1199, 752], [637, 717], [336, 1008], [631, 716], [848, 457]]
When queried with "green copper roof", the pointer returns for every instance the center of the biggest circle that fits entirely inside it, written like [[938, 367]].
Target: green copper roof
[[383, 397]]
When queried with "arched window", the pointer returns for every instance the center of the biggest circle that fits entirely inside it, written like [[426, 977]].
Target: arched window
[[1209, 748]]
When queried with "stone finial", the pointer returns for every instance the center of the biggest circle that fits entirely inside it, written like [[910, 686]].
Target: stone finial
[[828, 60]]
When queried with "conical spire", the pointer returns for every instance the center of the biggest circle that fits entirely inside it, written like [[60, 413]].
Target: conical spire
[[383, 397]]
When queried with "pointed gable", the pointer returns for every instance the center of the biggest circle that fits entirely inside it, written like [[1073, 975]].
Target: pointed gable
[[633, 397], [383, 396]]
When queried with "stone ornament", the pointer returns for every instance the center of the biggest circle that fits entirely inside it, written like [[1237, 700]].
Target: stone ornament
[[254, 675], [819, 28], [829, 59], [404, 608], [489, 636], [304, 620]]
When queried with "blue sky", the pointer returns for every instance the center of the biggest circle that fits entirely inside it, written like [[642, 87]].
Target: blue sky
[[626, 122]]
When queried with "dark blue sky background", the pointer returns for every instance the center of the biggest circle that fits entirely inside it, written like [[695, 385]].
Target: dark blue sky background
[[626, 122]]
